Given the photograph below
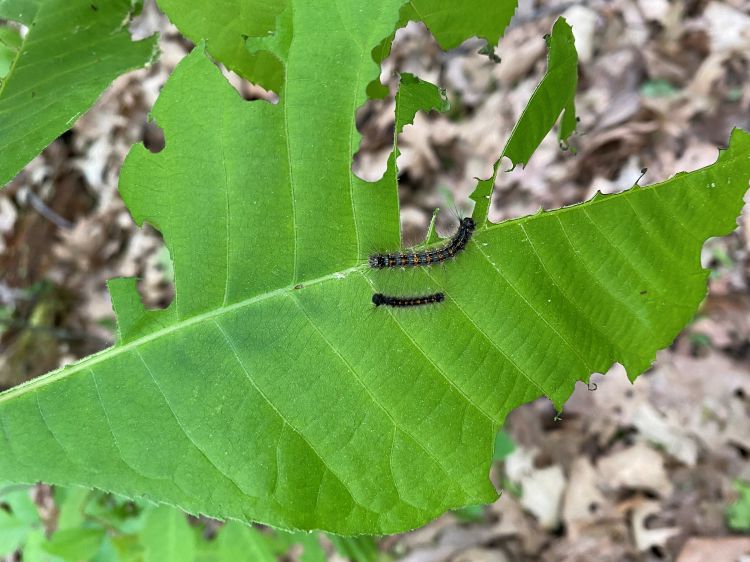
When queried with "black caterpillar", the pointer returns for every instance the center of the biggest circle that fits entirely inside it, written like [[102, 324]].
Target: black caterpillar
[[427, 257], [404, 302]]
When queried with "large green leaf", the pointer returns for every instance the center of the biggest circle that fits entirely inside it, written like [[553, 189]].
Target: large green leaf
[[74, 49], [270, 389]]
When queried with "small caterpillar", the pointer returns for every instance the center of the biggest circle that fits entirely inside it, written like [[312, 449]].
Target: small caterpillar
[[404, 302], [427, 257]]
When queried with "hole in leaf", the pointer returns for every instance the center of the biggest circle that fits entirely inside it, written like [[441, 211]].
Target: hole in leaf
[[248, 90], [153, 137], [433, 160]]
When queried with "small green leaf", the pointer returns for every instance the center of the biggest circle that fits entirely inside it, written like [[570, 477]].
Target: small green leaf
[[74, 49], [18, 499], [127, 548], [554, 95], [107, 552], [657, 89], [73, 545], [738, 513], [71, 502], [166, 536], [238, 542], [312, 551], [453, 22], [504, 446], [470, 513], [356, 549], [18, 519], [33, 549], [416, 95], [13, 532]]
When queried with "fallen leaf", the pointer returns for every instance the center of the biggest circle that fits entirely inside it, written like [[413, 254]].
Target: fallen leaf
[[721, 549], [636, 468]]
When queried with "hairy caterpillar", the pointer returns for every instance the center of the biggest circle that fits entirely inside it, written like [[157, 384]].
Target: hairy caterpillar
[[404, 302], [427, 257]]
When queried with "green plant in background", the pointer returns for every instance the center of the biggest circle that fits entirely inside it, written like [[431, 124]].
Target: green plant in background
[[738, 513], [270, 390], [102, 527]]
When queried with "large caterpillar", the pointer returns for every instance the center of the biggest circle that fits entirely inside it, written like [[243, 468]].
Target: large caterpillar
[[405, 302], [427, 257]]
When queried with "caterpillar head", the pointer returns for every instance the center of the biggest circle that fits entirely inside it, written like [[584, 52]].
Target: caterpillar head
[[468, 223]]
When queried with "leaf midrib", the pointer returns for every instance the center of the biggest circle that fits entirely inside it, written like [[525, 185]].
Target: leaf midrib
[[110, 352], [115, 350]]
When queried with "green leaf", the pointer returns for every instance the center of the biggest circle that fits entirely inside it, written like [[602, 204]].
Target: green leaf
[[107, 552], [240, 542], [13, 532], [453, 22], [18, 517], [311, 549], [356, 549], [126, 548], [470, 513], [237, 542], [270, 389], [72, 503], [166, 536], [658, 88], [73, 545], [554, 95], [18, 499], [738, 513], [225, 33], [504, 446], [33, 549], [233, 21], [74, 49]]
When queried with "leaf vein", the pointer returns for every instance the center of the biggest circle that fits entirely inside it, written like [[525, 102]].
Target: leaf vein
[[186, 433], [399, 426], [286, 422], [533, 308]]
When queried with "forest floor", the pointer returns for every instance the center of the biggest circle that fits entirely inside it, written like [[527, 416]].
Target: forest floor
[[626, 472]]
